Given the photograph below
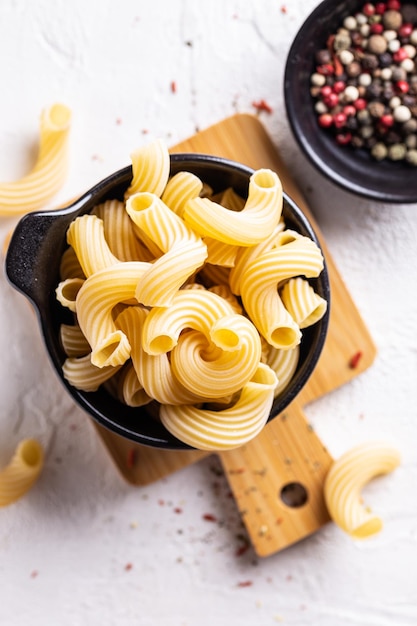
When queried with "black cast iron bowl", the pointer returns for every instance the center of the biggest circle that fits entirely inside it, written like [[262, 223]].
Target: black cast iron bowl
[[32, 266], [354, 170]]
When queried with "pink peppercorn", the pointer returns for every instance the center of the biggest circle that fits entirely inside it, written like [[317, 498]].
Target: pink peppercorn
[[387, 120], [339, 86], [377, 29], [400, 55], [393, 5], [326, 91], [339, 120], [368, 9], [349, 110], [331, 100], [327, 69], [380, 8], [343, 139], [360, 104], [402, 86], [405, 30], [325, 120]]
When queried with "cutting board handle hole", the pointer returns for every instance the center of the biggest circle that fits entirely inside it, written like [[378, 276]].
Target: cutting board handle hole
[[294, 495]]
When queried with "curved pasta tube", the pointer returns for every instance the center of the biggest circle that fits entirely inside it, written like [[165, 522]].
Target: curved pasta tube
[[224, 292], [96, 299], [259, 292], [304, 305], [179, 189], [345, 481], [184, 252], [154, 372], [246, 256], [70, 266], [82, 374], [260, 215], [217, 373], [73, 341], [191, 308], [22, 471], [92, 258], [219, 253], [228, 428], [32, 191], [284, 363], [67, 292], [151, 167], [120, 233], [130, 389]]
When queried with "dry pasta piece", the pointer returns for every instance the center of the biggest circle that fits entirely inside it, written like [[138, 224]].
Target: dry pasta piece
[[120, 233], [284, 363], [150, 166], [73, 341], [191, 308], [180, 188], [228, 428], [304, 305], [32, 191], [22, 471], [259, 283], [246, 256], [129, 388], [81, 233], [219, 253], [96, 299], [345, 481], [209, 371], [153, 372], [70, 266], [82, 374], [184, 252], [67, 292], [260, 215]]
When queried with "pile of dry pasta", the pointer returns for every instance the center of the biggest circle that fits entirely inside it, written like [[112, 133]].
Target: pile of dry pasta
[[193, 301]]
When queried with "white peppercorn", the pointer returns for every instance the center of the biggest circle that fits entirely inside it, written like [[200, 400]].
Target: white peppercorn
[[394, 102], [318, 79], [402, 113], [365, 80], [397, 152], [346, 57], [350, 22], [394, 45], [350, 94], [411, 157], [379, 151], [408, 65]]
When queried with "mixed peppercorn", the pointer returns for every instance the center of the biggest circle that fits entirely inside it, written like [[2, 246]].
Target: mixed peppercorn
[[365, 81]]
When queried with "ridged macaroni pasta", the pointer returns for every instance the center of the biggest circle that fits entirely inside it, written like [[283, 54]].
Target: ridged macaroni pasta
[[22, 471], [344, 483], [50, 170], [188, 301]]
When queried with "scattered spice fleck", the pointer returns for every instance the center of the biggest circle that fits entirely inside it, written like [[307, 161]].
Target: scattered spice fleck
[[133, 525], [34, 573], [178, 510], [238, 470], [245, 583], [354, 360], [310, 428], [189, 43], [131, 457], [241, 550], [209, 517], [173, 86], [128, 567], [118, 121], [161, 502], [145, 131], [262, 105], [279, 521], [73, 426], [283, 8]]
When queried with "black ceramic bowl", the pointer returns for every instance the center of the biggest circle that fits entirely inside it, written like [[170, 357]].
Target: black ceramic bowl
[[352, 169], [32, 266]]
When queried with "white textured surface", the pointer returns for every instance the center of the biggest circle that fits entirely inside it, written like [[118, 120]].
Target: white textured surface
[[64, 548]]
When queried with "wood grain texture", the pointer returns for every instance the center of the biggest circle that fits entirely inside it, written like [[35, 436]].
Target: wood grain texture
[[287, 450]]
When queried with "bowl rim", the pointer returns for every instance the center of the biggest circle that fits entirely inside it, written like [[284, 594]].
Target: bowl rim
[[24, 229], [318, 160]]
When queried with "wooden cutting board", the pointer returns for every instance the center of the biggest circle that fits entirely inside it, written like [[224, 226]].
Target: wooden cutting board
[[276, 479]]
